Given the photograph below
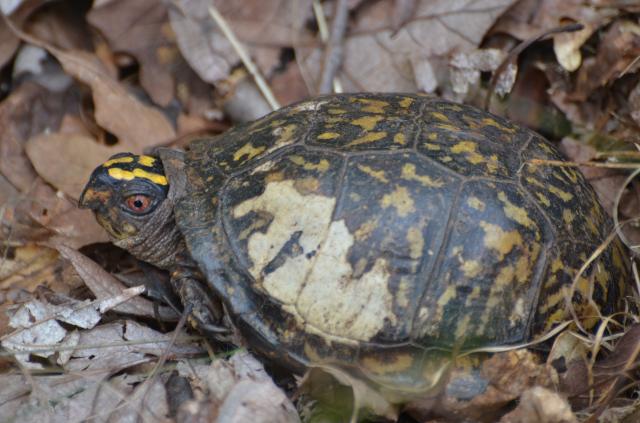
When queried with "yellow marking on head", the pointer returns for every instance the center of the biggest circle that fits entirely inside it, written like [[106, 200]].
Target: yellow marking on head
[[377, 174], [321, 166], [514, 212], [401, 200], [406, 102], [369, 137], [409, 173], [399, 138], [563, 195], [476, 203], [248, 150], [111, 162], [146, 160], [328, 135], [440, 116], [367, 122], [126, 175]]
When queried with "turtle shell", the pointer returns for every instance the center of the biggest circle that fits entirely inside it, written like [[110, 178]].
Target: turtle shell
[[370, 230]]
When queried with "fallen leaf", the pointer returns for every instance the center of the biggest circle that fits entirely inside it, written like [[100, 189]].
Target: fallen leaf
[[79, 156], [8, 43], [540, 405], [237, 390], [105, 286], [379, 58], [142, 29]]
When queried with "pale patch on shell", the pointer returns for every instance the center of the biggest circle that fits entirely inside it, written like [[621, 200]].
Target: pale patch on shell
[[319, 289]]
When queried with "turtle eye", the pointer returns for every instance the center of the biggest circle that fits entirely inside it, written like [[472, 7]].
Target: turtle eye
[[138, 203]]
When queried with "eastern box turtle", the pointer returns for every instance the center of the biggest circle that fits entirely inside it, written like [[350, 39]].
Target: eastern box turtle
[[368, 231]]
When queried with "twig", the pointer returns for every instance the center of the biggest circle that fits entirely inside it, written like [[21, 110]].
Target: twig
[[246, 60], [515, 52], [560, 163], [334, 51]]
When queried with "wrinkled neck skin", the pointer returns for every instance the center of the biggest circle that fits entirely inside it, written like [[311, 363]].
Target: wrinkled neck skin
[[159, 242]]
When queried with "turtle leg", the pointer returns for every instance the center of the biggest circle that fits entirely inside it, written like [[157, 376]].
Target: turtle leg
[[205, 313]]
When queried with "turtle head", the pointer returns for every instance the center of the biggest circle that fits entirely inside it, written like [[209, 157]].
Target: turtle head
[[124, 193]]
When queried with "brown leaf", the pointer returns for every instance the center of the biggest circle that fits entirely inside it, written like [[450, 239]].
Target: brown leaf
[[136, 125], [8, 43], [263, 26], [141, 28], [103, 286], [540, 405], [379, 58], [79, 156]]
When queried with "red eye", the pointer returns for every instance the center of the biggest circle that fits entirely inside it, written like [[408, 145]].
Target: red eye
[[138, 203]]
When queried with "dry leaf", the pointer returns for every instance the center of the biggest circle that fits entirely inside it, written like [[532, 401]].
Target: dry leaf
[[262, 26], [136, 125], [79, 156], [141, 28], [379, 58], [104, 286], [540, 405]]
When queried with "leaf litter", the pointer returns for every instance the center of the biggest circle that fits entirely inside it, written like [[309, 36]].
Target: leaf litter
[[83, 83]]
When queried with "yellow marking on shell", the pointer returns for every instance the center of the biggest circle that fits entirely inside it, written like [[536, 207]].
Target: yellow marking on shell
[[403, 293], [563, 195], [376, 174], [468, 148], [409, 173], [492, 163], [274, 177], [333, 111], [440, 116], [447, 127], [368, 123], [449, 294], [248, 150], [534, 181], [474, 295], [476, 203], [571, 174], [432, 147], [432, 136], [369, 137], [391, 364], [126, 175], [307, 185], [373, 106], [285, 135], [554, 318], [111, 162], [328, 135], [401, 200], [495, 124], [471, 268], [500, 240], [416, 242], [399, 138], [543, 199], [514, 212], [445, 159], [319, 290], [462, 327], [321, 166], [406, 102], [146, 160], [365, 230], [568, 216]]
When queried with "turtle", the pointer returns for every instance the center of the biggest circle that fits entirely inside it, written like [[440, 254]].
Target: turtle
[[373, 232]]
